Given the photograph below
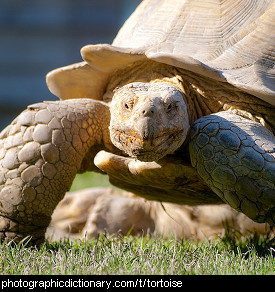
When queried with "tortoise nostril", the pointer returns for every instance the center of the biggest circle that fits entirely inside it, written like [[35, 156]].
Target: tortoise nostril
[[147, 113]]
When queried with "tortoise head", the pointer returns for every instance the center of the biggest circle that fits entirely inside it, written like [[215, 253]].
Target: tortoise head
[[148, 120]]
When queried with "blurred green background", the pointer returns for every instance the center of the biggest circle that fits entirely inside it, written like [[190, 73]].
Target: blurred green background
[[88, 180]]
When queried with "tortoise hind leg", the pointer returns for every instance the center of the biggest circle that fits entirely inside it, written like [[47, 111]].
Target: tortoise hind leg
[[236, 158], [40, 154]]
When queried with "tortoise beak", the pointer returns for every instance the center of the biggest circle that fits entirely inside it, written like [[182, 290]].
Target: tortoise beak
[[146, 129], [146, 122]]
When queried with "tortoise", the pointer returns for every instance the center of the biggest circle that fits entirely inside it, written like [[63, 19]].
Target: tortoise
[[89, 212], [180, 108]]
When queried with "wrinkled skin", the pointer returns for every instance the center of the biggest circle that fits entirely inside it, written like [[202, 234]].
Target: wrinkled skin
[[45, 146], [41, 152], [148, 120], [234, 156]]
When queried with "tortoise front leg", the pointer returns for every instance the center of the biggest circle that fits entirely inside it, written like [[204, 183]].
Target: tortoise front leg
[[40, 154], [168, 180], [236, 158]]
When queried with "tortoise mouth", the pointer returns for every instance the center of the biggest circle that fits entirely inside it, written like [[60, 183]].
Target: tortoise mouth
[[149, 149]]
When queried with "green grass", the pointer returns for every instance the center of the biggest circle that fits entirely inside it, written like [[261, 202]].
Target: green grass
[[140, 255], [88, 180], [232, 254]]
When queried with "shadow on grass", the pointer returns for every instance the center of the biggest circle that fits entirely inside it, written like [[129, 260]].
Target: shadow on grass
[[262, 245]]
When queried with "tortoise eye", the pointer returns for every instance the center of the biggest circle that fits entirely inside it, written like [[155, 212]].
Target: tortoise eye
[[129, 105], [169, 107]]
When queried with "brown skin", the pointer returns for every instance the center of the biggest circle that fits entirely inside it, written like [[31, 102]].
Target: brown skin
[[44, 148], [148, 120]]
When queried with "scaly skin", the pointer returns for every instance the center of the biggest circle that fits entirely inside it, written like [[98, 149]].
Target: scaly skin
[[148, 120], [236, 158], [171, 179], [233, 156], [43, 149], [41, 152]]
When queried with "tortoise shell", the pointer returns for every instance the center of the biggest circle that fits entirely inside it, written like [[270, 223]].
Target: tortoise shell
[[230, 41]]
